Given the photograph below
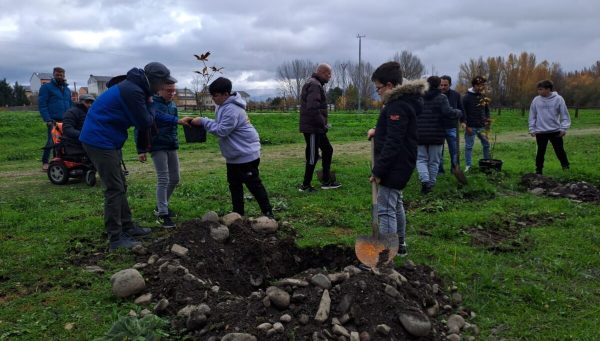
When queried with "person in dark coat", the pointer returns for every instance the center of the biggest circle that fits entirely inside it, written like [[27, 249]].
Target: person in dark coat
[[476, 120], [431, 133], [395, 139], [123, 105], [73, 122], [451, 123], [314, 126], [54, 101]]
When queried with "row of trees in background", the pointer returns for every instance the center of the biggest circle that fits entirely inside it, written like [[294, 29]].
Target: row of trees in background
[[12, 95], [348, 82], [512, 80]]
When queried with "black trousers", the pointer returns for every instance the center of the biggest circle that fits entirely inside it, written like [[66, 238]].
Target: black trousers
[[116, 208], [247, 174], [557, 144], [314, 142]]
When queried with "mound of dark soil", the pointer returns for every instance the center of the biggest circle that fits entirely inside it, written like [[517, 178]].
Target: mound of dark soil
[[579, 190], [267, 287]]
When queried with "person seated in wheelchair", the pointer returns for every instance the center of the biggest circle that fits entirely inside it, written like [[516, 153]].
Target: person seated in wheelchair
[[71, 126]]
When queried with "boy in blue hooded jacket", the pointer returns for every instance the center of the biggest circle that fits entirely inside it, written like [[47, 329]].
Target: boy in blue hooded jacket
[[103, 134]]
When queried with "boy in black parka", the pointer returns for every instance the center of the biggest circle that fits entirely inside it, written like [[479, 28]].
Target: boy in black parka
[[395, 145]]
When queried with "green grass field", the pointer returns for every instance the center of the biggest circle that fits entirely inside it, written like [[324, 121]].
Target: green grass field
[[545, 288]]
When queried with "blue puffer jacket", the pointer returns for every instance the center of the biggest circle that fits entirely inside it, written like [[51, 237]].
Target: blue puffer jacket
[[122, 106], [166, 139], [54, 101]]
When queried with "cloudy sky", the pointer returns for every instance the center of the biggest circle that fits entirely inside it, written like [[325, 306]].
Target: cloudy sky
[[251, 38]]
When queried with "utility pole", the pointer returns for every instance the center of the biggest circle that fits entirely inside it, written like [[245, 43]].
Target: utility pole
[[359, 67], [344, 66]]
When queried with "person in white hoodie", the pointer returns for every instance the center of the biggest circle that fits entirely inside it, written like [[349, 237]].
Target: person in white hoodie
[[548, 121], [239, 143]]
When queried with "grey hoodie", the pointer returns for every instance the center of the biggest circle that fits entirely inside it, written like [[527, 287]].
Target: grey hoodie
[[548, 114], [238, 139]]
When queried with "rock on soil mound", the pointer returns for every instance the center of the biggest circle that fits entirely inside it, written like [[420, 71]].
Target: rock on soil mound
[[579, 190], [255, 286]]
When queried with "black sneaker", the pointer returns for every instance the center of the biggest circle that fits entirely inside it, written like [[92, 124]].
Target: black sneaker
[[165, 221], [402, 251], [136, 231], [331, 185], [308, 189], [171, 213], [124, 242]]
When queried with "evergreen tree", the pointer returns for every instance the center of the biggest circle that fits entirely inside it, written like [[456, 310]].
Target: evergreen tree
[[6, 94], [20, 95]]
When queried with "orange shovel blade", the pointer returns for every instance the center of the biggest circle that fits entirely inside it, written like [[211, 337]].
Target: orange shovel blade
[[372, 252]]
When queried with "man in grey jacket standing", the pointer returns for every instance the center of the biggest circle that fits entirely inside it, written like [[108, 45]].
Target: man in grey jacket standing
[[548, 121], [314, 126]]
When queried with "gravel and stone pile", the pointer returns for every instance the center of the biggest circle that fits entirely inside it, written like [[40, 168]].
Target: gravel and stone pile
[[230, 278]]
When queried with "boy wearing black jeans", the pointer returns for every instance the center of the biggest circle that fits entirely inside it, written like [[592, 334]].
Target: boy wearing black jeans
[[239, 144], [548, 121]]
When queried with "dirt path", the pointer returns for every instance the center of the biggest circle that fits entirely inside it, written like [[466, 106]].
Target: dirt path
[[274, 154]]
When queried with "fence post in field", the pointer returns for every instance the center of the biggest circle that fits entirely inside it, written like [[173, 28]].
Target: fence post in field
[[522, 111], [576, 112], [499, 111]]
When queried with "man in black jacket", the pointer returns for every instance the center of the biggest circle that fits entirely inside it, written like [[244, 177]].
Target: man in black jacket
[[451, 124], [72, 123], [476, 119], [395, 145], [314, 126]]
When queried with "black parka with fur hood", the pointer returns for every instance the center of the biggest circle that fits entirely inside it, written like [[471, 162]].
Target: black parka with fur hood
[[396, 134]]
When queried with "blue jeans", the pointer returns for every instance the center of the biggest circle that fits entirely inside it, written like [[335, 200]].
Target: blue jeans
[[470, 141], [451, 139], [428, 161], [166, 164], [390, 212]]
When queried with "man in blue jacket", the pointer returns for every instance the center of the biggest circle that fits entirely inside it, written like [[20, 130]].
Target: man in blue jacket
[[54, 101], [103, 134]]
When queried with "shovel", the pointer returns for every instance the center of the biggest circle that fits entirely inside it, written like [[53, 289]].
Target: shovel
[[458, 173], [379, 248]]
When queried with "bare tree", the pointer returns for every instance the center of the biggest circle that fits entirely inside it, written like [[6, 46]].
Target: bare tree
[[293, 74], [340, 74], [362, 78], [410, 64], [475, 67]]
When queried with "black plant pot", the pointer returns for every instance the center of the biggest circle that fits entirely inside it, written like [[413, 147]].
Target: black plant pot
[[489, 165], [194, 134]]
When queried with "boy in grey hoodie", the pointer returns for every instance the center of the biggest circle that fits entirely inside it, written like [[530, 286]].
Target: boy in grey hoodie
[[239, 143], [548, 121]]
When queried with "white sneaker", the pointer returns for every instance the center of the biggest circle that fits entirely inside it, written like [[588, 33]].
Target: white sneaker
[[467, 168]]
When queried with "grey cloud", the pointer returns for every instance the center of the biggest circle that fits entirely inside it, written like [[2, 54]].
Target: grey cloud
[[251, 38]]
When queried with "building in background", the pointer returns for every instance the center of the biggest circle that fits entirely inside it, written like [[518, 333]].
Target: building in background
[[97, 84], [37, 80]]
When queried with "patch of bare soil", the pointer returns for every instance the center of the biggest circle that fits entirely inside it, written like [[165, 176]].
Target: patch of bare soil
[[580, 191], [265, 286], [504, 235]]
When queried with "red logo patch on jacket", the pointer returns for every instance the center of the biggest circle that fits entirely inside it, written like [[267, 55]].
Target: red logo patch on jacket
[[395, 117]]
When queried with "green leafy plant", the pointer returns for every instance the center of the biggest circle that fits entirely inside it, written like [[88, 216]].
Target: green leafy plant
[[148, 328]]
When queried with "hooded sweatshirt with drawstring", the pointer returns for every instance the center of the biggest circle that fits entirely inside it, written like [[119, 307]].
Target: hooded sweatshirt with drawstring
[[548, 114], [238, 139]]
